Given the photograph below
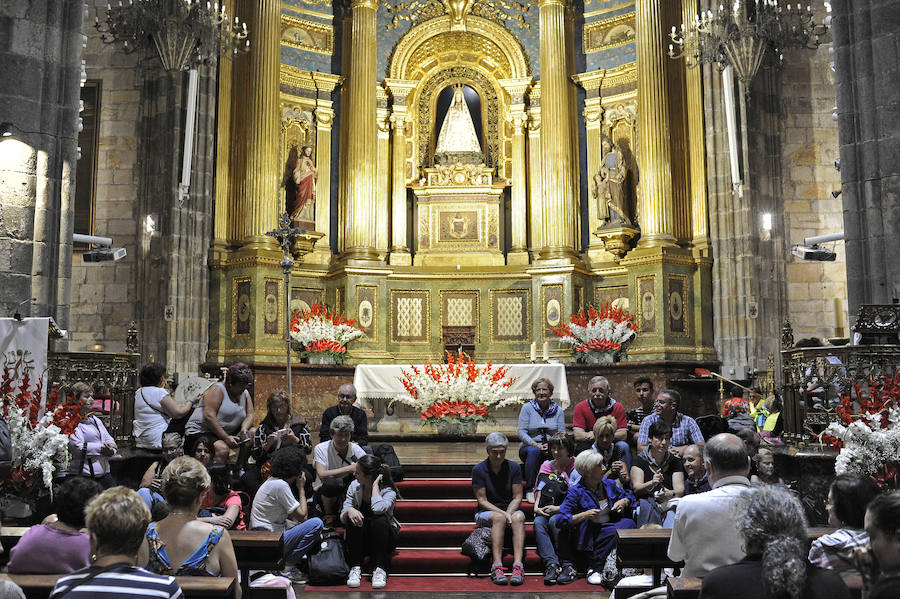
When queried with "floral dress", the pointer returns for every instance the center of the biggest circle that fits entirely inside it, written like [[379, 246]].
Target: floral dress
[[193, 565]]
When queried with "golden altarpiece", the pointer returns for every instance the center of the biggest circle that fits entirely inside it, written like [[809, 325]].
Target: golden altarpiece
[[502, 209]]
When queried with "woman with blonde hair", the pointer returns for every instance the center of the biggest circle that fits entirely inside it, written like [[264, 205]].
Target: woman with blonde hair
[[180, 544]]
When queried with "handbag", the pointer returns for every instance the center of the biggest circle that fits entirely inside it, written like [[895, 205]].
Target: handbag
[[328, 566], [176, 425]]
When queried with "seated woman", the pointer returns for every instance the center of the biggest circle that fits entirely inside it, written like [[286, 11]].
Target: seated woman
[[538, 419], [154, 407], [847, 500], [552, 543], [614, 456], [765, 474], [883, 526], [116, 520], [180, 544], [90, 445], [658, 477], [60, 546], [594, 508], [278, 429], [151, 483], [201, 449], [368, 517], [275, 506], [773, 526], [225, 413], [221, 505]]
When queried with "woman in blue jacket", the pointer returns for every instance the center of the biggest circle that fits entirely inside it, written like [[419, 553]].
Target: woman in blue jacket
[[594, 508]]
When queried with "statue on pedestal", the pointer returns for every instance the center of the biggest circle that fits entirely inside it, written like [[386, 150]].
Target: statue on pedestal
[[300, 184], [457, 141], [609, 186]]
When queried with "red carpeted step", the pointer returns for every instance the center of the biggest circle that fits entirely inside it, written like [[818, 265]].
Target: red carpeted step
[[440, 511], [447, 561], [460, 584], [449, 534], [434, 488]]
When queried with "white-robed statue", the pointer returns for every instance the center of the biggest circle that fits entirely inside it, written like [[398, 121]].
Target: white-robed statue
[[457, 140]]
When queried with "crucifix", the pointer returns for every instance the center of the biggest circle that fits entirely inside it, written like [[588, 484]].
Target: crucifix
[[286, 235]]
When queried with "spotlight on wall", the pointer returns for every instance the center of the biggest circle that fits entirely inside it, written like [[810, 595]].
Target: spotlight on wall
[[6, 129]]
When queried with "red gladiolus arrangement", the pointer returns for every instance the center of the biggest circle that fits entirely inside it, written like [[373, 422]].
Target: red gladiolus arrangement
[[323, 332], [591, 332], [459, 391]]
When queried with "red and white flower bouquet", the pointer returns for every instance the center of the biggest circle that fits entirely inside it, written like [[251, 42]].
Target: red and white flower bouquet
[[323, 333], [598, 335]]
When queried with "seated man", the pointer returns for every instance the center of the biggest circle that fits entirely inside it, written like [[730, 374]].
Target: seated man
[[705, 534], [684, 428], [335, 463], [696, 479], [345, 407], [497, 483], [599, 404]]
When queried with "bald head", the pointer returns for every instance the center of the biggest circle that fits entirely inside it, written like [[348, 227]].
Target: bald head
[[346, 398], [726, 455]]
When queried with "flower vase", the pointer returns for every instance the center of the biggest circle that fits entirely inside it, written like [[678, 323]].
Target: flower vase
[[447, 428], [600, 358], [322, 359], [467, 427]]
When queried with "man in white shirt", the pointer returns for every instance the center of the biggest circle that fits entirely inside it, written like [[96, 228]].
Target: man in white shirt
[[705, 535], [335, 463]]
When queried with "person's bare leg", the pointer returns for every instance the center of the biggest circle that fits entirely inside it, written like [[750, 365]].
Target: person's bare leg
[[498, 529], [518, 531]]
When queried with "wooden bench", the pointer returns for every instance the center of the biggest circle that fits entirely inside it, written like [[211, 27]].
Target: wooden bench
[[39, 586], [689, 588], [648, 548], [256, 550]]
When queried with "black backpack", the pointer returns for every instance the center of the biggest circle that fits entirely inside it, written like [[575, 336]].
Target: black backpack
[[389, 456], [554, 490]]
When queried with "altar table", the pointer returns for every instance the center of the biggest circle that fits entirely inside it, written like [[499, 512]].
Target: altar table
[[382, 381]]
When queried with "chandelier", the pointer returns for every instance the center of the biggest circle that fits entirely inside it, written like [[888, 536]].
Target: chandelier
[[742, 35], [186, 33]]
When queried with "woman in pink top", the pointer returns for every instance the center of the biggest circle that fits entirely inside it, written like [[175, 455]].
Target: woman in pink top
[[553, 478], [60, 546]]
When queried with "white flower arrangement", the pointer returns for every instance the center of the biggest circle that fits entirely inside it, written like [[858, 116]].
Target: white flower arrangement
[[41, 448], [867, 445], [608, 330], [321, 331]]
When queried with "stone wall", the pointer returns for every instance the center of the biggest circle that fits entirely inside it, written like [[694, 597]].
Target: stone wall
[[816, 291], [104, 294]]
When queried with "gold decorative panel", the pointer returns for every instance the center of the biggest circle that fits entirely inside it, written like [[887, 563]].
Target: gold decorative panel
[[646, 295], [458, 226], [459, 309], [272, 309], [339, 299], [677, 300], [410, 316], [552, 304], [609, 33], [510, 309], [307, 35], [303, 298], [367, 311], [241, 307], [616, 296]]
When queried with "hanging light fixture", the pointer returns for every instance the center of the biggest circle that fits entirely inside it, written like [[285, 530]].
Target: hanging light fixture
[[743, 34], [185, 33]]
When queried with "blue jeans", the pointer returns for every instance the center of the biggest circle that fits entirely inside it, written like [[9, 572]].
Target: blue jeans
[[533, 457], [648, 513], [299, 540], [549, 536], [150, 497]]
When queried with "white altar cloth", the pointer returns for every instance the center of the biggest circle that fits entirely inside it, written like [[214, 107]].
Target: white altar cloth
[[382, 381]]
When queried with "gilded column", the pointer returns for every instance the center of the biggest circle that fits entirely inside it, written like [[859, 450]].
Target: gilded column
[[399, 121], [557, 136], [535, 180], [383, 174], [516, 88], [654, 157], [696, 145], [259, 194], [324, 113], [359, 171], [593, 120], [223, 146]]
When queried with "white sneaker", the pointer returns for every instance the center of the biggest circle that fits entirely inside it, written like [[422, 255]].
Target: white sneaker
[[355, 577], [379, 578], [594, 577]]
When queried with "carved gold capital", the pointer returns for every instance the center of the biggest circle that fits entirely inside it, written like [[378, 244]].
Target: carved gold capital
[[593, 112], [516, 88], [354, 4], [590, 80], [326, 82], [324, 116], [562, 3]]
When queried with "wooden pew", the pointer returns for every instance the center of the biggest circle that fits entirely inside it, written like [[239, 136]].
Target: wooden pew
[[39, 586], [689, 588], [648, 548], [256, 550]]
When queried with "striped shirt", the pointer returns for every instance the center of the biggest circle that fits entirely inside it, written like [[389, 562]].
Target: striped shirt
[[684, 430], [117, 583]]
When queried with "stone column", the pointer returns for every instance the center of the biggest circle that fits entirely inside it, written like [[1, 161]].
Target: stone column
[[657, 207], [359, 213], [557, 139], [518, 253], [399, 121], [259, 194], [535, 180]]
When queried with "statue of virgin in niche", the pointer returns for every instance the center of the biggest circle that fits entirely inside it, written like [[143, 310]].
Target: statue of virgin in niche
[[457, 140], [609, 185], [300, 183]]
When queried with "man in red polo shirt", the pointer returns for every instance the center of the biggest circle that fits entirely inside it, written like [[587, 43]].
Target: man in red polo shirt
[[598, 404]]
